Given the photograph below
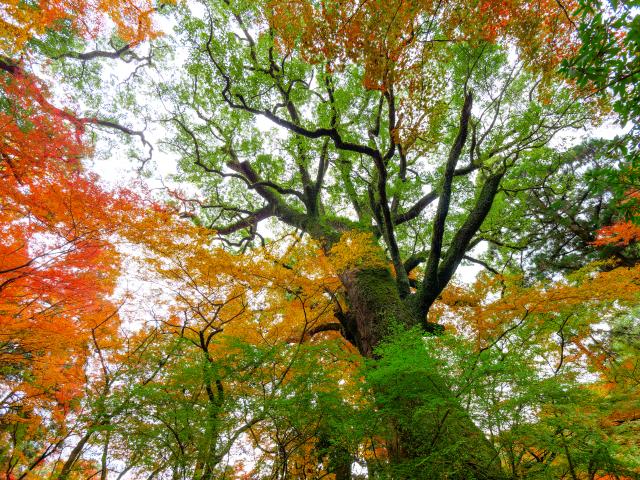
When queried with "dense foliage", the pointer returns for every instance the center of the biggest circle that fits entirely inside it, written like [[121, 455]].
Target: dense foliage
[[297, 300]]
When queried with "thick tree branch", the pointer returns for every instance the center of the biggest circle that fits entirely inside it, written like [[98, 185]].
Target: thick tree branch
[[414, 260], [460, 243], [391, 105], [85, 56], [283, 211], [431, 280], [471, 225], [481, 263], [251, 220], [327, 327], [416, 209], [10, 66], [263, 187]]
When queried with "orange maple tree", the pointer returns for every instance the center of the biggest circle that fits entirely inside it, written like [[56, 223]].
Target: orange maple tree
[[623, 232], [58, 264], [22, 21]]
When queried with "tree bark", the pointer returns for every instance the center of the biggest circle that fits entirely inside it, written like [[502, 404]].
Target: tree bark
[[74, 455], [433, 437]]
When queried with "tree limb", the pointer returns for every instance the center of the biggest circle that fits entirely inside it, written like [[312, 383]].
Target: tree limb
[[431, 280], [460, 242]]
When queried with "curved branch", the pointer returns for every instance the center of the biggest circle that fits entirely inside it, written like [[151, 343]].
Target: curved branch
[[121, 128], [481, 263], [85, 56], [250, 221], [416, 209], [9, 65], [327, 327], [414, 260], [429, 198]]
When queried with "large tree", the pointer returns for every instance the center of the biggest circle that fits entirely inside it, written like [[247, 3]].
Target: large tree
[[399, 119]]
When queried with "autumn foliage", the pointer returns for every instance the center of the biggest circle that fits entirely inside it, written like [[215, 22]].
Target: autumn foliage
[[623, 232], [394, 39], [58, 264], [402, 46], [290, 352], [22, 21]]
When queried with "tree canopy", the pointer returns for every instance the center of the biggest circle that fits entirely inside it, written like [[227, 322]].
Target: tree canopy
[[390, 248]]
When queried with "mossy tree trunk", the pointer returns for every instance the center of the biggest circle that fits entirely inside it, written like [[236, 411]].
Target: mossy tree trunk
[[431, 435]]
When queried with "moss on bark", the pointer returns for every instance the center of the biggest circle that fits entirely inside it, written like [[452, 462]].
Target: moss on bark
[[429, 434]]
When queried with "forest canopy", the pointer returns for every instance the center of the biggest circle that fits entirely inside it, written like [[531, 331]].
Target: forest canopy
[[346, 239]]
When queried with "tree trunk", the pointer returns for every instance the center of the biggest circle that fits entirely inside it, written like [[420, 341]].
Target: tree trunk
[[431, 437], [74, 456]]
